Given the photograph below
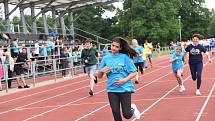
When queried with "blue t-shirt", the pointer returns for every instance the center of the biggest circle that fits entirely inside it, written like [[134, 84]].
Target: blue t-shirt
[[195, 53], [120, 67], [177, 64], [139, 50], [14, 47]]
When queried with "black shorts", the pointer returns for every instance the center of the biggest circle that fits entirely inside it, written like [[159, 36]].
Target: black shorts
[[19, 69]]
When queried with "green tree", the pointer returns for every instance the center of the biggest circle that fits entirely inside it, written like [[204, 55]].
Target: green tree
[[195, 18], [211, 27], [155, 20]]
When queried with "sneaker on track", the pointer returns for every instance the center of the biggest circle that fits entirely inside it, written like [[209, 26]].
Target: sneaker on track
[[136, 111], [198, 93]]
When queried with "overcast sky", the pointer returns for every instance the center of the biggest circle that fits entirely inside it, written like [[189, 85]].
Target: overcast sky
[[208, 3]]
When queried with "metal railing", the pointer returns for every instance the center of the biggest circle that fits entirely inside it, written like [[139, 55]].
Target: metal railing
[[42, 66]]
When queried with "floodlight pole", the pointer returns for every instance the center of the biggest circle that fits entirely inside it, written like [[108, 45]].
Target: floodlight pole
[[179, 20]]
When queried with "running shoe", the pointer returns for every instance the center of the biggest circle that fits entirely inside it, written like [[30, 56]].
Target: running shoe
[[136, 82], [182, 89], [20, 87], [198, 93], [26, 86], [91, 93], [136, 111]]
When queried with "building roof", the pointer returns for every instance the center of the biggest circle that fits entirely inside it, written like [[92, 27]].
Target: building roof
[[57, 4]]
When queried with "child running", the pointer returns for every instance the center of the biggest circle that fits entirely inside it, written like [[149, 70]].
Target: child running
[[195, 51], [120, 69], [138, 61], [177, 66]]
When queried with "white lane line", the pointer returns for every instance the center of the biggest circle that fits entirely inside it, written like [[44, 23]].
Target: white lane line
[[205, 104], [75, 90], [41, 114], [164, 96], [95, 103], [159, 99], [18, 108], [136, 90], [105, 106], [60, 87], [92, 112]]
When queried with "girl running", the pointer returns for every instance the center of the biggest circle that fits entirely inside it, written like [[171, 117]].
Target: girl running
[[120, 69], [195, 60], [177, 66], [138, 61]]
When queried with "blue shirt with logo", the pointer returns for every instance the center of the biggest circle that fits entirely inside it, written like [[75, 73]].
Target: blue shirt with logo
[[139, 50], [120, 67], [177, 64], [195, 53]]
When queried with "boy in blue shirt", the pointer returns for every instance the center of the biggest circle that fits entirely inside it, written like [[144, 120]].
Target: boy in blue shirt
[[177, 66]]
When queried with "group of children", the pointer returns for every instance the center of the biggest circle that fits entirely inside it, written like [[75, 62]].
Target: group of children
[[119, 67], [194, 53]]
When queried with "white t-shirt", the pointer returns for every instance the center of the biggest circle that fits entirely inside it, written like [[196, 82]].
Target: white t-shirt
[[37, 48]]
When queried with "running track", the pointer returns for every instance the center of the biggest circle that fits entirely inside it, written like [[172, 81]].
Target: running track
[[156, 97]]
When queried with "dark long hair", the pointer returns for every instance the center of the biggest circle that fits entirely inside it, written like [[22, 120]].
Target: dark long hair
[[125, 47]]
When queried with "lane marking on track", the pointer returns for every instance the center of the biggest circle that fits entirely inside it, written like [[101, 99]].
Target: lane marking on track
[[95, 103], [56, 95], [18, 108], [105, 106], [75, 90], [65, 105], [136, 90], [156, 102], [41, 114], [84, 98], [159, 99], [206, 102], [61, 87]]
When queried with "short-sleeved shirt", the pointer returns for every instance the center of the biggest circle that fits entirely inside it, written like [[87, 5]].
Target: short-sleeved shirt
[[195, 53], [148, 48], [120, 67], [139, 50], [177, 64]]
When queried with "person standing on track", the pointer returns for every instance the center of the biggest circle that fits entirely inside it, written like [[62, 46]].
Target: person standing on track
[[120, 69], [138, 61], [177, 66], [195, 60]]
